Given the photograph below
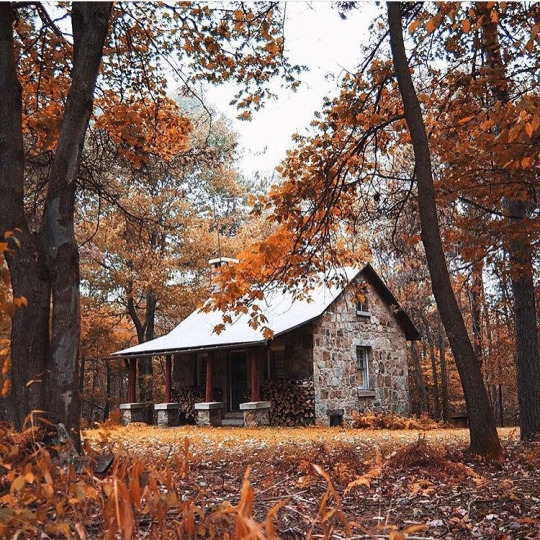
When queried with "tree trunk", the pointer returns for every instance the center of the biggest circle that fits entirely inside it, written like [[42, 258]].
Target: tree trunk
[[146, 366], [434, 373], [476, 294], [483, 432], [521, 266], [90, 24], [419, 378], [30, 327], [527, 352], [444, 377]]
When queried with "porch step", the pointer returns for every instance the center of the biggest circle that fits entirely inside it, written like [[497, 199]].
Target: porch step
[[233, 419]]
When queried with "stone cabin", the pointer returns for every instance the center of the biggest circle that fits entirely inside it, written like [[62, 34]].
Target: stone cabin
[[348, 342]]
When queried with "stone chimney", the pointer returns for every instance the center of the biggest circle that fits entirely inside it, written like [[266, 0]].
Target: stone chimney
[[216, 264]]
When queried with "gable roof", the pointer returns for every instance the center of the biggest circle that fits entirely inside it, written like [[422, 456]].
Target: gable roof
[[283, 313]]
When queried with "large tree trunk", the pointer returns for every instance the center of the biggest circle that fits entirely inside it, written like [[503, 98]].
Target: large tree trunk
[[527, 352], [483, 432], [521, 266], [90, 24], [30, 329]]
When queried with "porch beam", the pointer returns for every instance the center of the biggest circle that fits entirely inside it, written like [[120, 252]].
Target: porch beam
[[255, 394], [168, 371]]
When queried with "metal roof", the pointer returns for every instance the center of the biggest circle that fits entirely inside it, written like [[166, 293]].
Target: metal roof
[[282, 311]]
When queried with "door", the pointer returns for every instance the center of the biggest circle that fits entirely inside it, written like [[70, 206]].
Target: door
[[238, 378]]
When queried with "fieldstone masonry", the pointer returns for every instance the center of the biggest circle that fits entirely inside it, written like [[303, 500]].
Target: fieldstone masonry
[[209, 413], [256, 413], [136, 412], [336, 376], [167, 414]]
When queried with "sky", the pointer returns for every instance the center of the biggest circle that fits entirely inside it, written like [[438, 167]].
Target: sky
[[316, 37]]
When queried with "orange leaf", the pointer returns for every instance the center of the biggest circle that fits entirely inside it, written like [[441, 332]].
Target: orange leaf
[[414, 25], [431, 25], [466, 25], [466, 119]]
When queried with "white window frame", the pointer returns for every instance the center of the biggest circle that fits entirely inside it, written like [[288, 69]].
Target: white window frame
[[362, 365], [362, 308]]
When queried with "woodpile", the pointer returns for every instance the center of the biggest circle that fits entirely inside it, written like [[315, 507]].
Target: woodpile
[[187, 396], [292, 402]]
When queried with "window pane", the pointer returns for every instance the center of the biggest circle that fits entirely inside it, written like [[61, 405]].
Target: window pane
[[362, 364]]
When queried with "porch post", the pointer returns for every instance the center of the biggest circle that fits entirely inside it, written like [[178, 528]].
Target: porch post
[[255, 394], [168, 369], [132, 378], [209, 373]]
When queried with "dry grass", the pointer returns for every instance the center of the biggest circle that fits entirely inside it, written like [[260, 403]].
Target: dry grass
[[265, 483]]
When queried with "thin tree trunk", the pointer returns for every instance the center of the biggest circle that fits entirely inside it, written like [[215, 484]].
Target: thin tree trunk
[[435, 375], [444, 377], [521, 266], [107, 409], [483, 432], [30, 327], [476, 294], [419, 378], [90, 24], [146, 366]]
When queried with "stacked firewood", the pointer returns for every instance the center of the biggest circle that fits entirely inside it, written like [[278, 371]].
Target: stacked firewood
[[292, 402], [187, 396]]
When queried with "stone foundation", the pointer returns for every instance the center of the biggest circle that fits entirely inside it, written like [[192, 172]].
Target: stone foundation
[[256, 413], [167, 414], [209, 413], [135, 412]]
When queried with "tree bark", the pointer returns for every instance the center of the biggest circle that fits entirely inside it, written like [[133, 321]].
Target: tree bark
[[30, 327], [476, 294], [419, 378], [484, 439], [434, 373], [90, 24], [521, 265], [444, 377]]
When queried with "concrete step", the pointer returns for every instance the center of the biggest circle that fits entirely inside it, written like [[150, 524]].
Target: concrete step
[[235, 414], [232, 422]]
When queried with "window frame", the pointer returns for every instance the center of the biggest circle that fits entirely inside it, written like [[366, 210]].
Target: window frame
[[362, 366], [362, 307], [276, 364]]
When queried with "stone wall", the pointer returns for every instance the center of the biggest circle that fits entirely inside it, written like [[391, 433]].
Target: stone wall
[[336, 336]]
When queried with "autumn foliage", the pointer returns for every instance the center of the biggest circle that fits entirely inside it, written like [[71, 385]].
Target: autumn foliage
[[261, 483]]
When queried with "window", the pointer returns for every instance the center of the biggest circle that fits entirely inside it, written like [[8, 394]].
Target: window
[[201, 370], [362, 365], [277, 364], [362, 307]]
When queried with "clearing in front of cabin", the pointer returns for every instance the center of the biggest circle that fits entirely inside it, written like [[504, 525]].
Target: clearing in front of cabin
[[194, 482]]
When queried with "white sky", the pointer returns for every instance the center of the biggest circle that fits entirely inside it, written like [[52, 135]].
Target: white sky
[[316, 37]]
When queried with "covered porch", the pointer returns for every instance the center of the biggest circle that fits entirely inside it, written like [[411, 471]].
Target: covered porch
[[215, 382]]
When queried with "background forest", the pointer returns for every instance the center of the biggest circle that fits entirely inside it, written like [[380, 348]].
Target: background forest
[[118, 192]]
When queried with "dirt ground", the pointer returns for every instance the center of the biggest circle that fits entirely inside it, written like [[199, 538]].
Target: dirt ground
[[337, 483]]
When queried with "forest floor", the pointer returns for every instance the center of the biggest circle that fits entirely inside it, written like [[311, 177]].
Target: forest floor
[[337, 483]]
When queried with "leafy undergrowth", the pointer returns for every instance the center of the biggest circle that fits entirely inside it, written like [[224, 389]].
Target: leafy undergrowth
[[192, 482]]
